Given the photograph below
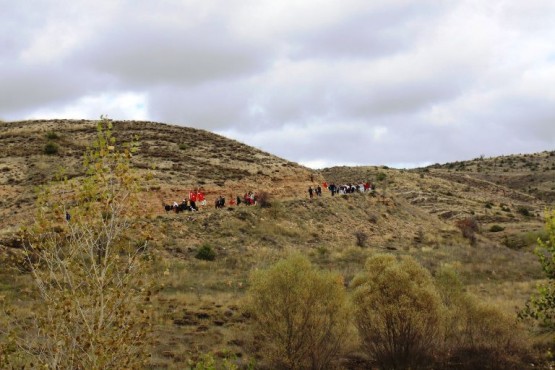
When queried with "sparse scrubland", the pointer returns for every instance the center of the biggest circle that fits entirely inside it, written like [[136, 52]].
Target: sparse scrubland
[[449, 266]]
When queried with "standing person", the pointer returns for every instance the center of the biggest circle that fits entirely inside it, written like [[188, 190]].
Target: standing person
[[332, 188], [310, 192], [193, 200], [238, 200], [200, 198], [319, 191]]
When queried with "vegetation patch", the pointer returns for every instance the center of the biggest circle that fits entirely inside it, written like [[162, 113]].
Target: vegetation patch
[[496, 228], [205, 253], [51, 148]]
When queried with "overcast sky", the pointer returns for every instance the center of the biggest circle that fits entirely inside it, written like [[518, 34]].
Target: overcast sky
[[371, 82]]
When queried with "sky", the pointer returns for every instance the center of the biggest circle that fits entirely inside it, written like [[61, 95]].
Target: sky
[[323, 83]]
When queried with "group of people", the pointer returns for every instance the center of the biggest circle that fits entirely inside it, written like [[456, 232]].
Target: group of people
[[250, 198], [198, 197], [362, 187], [189, 204]]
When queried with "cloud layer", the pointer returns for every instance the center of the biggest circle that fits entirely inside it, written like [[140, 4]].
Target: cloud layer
[[396, 82]]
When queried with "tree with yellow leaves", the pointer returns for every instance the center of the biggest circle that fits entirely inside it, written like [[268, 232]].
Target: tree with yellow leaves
[[92, 279]]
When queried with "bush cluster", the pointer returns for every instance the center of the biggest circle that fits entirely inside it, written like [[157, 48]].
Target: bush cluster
[[405, 318]]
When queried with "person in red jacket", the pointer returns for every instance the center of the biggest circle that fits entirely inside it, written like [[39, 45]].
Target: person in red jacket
[[200, 198], [193, 200]]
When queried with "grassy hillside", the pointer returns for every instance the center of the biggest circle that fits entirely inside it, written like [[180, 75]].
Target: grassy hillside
[[200, 306], [532, 174]]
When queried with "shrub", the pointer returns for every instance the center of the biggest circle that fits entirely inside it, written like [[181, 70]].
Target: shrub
[[523, 211], [477, 334], [468, 226], [51, 135], [183, 146], [541, 306], [301, 314], [362, 238], [51, 148], [205, 253], [263, 199], [496, 228], [381, 176], [398, 312]]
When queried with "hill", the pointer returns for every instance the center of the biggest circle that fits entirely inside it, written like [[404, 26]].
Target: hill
[[179, 158], [413, 212]]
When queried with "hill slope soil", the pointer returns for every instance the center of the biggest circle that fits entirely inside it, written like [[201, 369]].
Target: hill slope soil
[[412, 212]]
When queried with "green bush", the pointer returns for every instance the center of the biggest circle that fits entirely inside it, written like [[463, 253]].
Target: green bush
[[51, 135], [205, 253], [51, 148], [398, 312], [496, 228], [541, 305], [183, 146], [300, 313], [523, 211]]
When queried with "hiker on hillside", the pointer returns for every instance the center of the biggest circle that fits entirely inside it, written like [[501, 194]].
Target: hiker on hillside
[[366, 186], [220, 202], [238, 200], [310, 192], [319, 191], [200, 198], [332, 188]]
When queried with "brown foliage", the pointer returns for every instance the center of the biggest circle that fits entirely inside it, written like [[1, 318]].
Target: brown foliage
[[469, 227]]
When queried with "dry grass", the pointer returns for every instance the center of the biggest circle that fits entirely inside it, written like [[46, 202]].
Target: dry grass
[[200, 305]]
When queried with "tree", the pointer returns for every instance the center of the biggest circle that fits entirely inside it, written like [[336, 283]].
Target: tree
[[92, 277], [398, 312], [541, 305], [301, 313]]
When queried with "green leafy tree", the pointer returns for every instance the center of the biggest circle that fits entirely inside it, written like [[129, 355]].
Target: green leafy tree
[[541, 306], [92, 278], [301, 313]]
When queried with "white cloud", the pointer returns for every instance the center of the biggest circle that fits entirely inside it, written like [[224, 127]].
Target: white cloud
[[318, 82], [132, 106]]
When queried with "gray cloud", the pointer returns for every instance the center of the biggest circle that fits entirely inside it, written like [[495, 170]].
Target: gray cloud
[[319, 82], [143, 56]]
